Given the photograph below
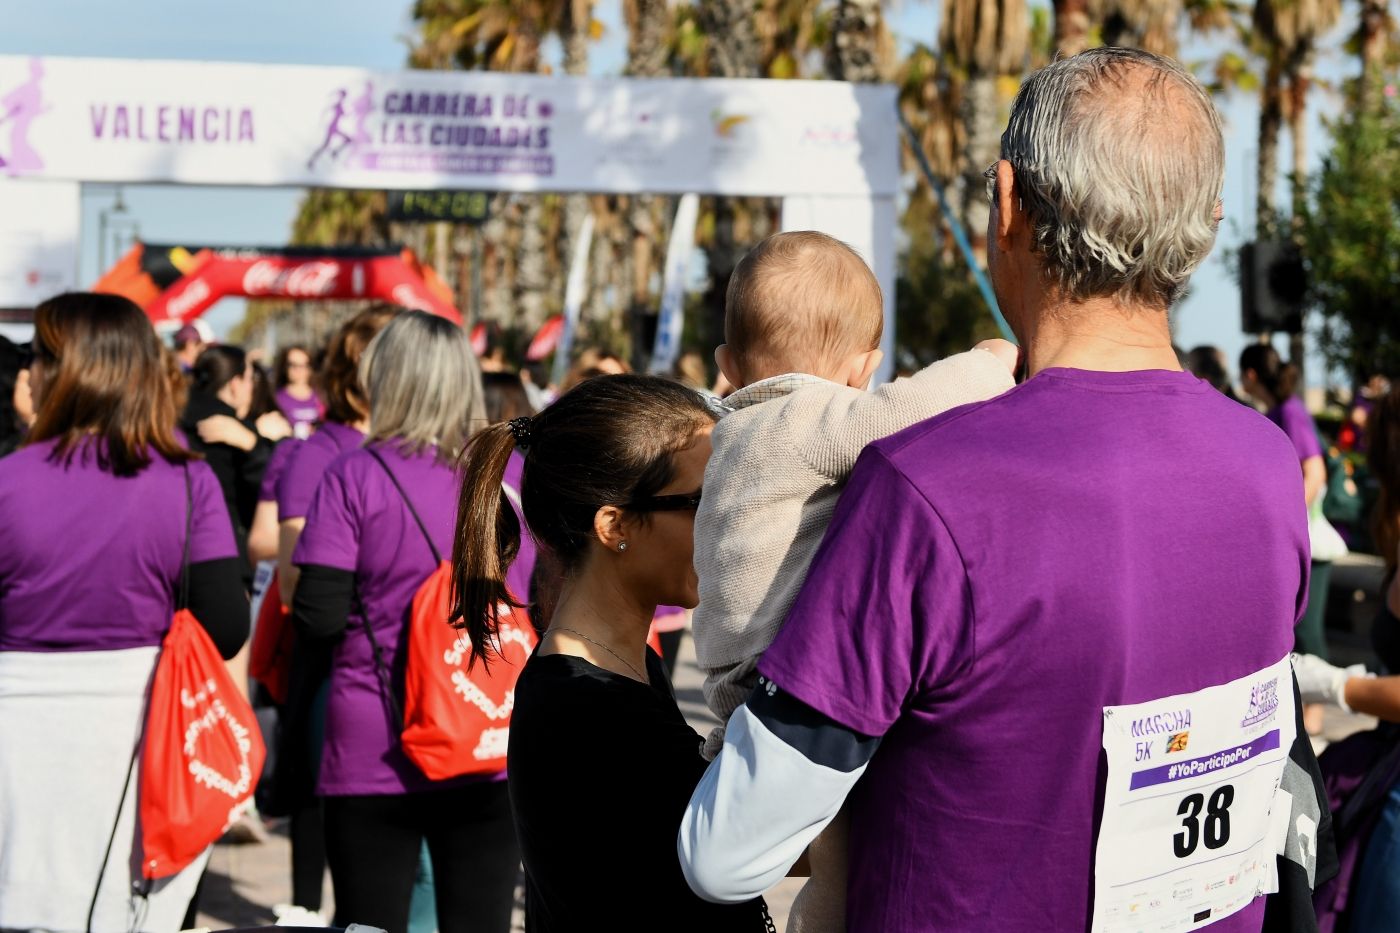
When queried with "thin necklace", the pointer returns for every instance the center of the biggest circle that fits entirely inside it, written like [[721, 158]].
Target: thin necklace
[[573, 631]]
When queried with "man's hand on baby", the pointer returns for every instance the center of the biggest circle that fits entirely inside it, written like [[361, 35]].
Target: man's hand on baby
[[1004, 350]]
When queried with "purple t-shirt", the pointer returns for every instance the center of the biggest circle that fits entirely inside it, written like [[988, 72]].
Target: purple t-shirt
[[518, 576], [277, 465], [991, 580], [303, 413], [358, 522], [304, 471], [1293, 417], [90, 561]]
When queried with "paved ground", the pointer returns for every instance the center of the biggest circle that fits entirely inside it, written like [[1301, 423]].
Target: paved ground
[[244, 881]]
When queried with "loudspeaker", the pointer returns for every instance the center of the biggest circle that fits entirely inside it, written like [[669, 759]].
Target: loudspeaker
[[1273, 286]]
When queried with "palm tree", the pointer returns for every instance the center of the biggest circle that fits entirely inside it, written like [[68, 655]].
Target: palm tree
[[1372, 40], [1151, 25], [858, 46], [1288, 31], [987, 43], [1072, 23]]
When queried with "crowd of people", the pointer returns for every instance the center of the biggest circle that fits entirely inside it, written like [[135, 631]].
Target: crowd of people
[[1027, 640]]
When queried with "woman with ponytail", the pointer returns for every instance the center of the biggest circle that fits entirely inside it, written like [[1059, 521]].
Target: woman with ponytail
[[600, 758], [1274, 384]]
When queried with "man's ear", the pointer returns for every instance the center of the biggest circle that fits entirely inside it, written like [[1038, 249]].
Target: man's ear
[[610, 527], [729, 366], [1010, 209], [863, 367]]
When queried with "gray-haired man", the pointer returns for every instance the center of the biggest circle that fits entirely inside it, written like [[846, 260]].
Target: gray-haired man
[[1058, 653]]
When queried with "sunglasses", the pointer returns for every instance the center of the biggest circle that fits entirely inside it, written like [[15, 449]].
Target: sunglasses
[[678, 503]]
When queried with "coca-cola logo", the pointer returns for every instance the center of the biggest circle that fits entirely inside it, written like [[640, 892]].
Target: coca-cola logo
[[194, 296], [304, 280]]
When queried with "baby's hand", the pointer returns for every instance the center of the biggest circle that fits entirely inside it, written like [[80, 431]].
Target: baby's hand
[[1004, 350]]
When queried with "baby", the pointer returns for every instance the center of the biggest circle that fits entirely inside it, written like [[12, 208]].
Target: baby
[[802, 326]]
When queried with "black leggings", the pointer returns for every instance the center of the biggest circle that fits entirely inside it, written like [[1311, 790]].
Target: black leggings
[[373, 843]]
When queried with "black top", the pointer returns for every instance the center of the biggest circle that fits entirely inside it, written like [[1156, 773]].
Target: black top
[[239, 471], [601, 769]]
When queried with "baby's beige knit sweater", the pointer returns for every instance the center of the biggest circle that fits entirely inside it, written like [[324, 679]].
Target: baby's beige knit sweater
[[780, 460]]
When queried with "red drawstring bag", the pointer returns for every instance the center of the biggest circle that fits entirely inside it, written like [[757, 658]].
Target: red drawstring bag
[[456, 719], [270, 657], [203, 750]]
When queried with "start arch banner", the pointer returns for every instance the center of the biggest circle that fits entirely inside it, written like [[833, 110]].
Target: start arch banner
[[115, 120]]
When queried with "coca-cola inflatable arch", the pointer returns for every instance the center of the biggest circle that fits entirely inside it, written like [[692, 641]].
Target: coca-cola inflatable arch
[[177, 284]]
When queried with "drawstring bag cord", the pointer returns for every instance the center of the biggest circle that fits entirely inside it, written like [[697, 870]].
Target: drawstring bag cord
[[142, 888]]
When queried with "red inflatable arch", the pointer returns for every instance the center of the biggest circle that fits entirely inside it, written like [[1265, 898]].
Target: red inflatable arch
[[178, 284]]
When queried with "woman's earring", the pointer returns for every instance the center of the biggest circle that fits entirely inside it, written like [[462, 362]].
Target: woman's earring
[[622, 546]]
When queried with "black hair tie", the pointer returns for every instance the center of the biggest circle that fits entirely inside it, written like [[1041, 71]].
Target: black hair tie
[[520, 430]]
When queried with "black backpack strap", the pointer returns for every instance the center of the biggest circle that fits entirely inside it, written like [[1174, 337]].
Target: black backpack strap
[[437, 555]]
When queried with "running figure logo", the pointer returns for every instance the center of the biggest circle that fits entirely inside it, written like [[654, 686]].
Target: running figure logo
[[337, 139], [18, 109]]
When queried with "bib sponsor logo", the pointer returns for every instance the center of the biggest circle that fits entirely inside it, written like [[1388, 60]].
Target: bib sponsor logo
[[1263, 703]]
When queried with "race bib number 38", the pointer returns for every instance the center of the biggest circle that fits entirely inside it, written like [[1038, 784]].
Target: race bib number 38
[[1189, 830]]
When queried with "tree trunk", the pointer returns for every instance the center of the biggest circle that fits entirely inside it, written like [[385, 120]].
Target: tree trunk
[[853, 48], [1270, 124], [1071, 27], [1374, 36], [734, 48], [982, 118], [734, 52], [1300, 82]]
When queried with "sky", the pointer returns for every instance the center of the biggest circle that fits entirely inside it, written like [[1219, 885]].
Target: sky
[[373, 34]]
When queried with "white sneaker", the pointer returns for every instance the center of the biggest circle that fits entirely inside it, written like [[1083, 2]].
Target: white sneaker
[[290, 915]]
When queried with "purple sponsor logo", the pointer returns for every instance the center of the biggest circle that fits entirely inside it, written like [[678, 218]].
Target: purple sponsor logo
[[19, 107], [1263, 703], [456, 133], [1207, 764]]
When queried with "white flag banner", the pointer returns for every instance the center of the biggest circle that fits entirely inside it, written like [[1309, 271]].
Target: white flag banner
[[672, 317], [575, 291], [188, 122], [38, 239]]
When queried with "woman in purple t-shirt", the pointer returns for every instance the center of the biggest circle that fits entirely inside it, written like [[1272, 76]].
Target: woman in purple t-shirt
[[346, 418], [1273, 383], [363, 555], [296, 397], [98, 509], [599, 748]]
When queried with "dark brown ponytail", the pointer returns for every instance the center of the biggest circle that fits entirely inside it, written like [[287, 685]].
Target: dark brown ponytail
[[486, 541]]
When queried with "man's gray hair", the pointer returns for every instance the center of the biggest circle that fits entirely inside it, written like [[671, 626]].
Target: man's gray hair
[[1119, 161], [424, 385]]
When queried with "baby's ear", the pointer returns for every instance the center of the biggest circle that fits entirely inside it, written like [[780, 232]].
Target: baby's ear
[[862, 366], [724, 359]]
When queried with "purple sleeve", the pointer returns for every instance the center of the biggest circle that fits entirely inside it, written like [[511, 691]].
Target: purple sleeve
[[298, 483], [211, 533], [276, 466], [1301, 430], [332, 534], [885, 614]]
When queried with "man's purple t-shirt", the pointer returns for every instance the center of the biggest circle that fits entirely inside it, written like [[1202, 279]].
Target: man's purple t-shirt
[[358, 522], [304, 471], [1293, 417], [521, 569], [90, 561], [277, 465], [991, 580]]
